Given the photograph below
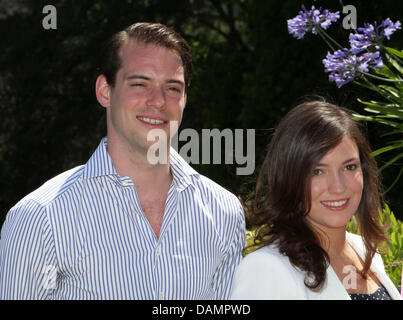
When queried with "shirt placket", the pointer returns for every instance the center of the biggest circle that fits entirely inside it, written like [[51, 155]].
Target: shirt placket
[[162, 281]]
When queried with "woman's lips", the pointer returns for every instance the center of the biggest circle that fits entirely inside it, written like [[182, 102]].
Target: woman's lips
[[336, 205]]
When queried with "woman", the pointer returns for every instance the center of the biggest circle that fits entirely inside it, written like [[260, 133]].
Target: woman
[[317, 174]]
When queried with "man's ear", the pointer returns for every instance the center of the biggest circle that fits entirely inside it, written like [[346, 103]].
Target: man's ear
[[103, 91]]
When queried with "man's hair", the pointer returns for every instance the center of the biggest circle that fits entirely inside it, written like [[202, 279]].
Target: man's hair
[[283, 191], [148, 33]]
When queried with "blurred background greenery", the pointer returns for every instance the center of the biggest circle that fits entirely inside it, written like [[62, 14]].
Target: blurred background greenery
[[248, 72]]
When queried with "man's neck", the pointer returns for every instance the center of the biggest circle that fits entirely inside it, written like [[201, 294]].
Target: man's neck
[[134, 164]]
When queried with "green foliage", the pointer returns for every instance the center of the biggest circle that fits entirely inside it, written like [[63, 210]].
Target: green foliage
[[389, 111], [392, 250], [250, 240]]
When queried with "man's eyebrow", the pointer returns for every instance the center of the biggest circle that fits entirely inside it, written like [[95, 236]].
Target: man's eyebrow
[[137, 76], [176, 81], [347, 161]]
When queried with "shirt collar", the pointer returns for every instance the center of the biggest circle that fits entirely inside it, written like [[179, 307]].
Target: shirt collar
[[100, 164], [182, 172]]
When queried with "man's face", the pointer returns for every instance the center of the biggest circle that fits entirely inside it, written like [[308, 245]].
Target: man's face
[[149, 92]]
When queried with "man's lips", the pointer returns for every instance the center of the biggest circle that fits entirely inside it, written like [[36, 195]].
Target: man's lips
[[152, 121], [336, 205]]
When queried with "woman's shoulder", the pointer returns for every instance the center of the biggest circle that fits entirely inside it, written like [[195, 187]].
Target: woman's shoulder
[[355, 238], [266, 274], [358, 244], [264, 255]]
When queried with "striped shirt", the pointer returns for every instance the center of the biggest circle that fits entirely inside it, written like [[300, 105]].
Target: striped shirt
[[83, 235]]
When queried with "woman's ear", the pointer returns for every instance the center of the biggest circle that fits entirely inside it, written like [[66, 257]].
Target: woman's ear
[[103, 91]]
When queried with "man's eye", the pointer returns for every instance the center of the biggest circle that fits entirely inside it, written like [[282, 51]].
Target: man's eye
[[174, 89], [136, 85]]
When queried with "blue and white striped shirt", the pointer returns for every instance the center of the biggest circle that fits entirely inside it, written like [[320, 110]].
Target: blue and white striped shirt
[[83, 235]]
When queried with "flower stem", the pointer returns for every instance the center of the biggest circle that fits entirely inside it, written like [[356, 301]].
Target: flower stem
[[378, 78], [327, 42], [374, 87], [324, 33]]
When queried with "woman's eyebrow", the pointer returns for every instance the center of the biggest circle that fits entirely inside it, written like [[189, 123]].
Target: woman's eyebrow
[[347, 161]]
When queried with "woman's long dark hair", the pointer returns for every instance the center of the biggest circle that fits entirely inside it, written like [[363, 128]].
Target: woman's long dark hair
[[283, 190]]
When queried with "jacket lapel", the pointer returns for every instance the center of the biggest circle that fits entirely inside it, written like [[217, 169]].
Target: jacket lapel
[[332, 290], [377, 266]]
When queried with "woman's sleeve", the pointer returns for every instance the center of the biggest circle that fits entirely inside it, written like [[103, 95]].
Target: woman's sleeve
[[266, 276]]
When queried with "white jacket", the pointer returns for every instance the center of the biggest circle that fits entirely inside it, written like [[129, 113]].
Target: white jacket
[[266, 274]]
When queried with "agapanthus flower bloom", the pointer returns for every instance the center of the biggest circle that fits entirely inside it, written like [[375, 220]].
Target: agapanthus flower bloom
[[344, 65], [309, 21], [372, 35]]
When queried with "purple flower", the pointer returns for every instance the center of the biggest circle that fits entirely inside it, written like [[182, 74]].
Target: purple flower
[[343, 65], [310, 21], [372, 35], [388, 27]]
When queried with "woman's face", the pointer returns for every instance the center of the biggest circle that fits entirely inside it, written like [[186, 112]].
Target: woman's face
[[336, 187]]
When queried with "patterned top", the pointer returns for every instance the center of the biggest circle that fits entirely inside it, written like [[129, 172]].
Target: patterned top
[[83, 235], [380, 294]]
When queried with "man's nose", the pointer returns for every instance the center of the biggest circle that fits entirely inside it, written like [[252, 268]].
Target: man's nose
[[156, 98]]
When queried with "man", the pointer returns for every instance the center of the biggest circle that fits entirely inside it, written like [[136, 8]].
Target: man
[[120, 227]]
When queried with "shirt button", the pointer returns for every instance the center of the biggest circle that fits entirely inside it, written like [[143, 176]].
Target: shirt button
[[125, 183], [158, 250], [161, 296]]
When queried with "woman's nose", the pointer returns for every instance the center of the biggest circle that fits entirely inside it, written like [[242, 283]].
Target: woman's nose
[[336, 183]]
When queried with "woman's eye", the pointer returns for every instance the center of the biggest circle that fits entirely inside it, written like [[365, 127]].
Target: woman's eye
[[351, 167], [317, 172]]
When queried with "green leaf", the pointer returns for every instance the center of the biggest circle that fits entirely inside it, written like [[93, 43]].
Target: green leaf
[[392, 90], [391, 112], [379, 120], [395, 64], [373, 87], [393, 160], [395, 52], [378, 103], [386, 149], [386, 72], [394, 182]]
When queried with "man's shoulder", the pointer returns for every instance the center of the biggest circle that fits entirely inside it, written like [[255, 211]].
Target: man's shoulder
[[52, 189], [214, 190], [209, 188]]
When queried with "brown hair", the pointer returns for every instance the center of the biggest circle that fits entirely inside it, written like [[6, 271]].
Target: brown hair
[[149, 33], [283, 194]]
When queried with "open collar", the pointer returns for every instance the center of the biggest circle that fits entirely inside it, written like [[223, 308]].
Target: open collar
[[101, 164]]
